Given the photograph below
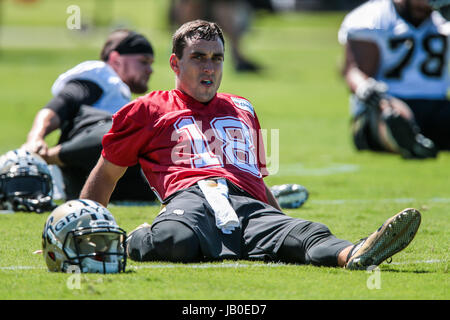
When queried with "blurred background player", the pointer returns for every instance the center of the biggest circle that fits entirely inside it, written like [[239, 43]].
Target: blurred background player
[[234, 16], [396, 66], [84, 99]]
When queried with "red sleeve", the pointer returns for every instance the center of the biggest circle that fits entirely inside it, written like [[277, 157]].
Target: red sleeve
[[128, 134]]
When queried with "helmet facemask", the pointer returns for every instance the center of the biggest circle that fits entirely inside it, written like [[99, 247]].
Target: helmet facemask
[[96, 249]]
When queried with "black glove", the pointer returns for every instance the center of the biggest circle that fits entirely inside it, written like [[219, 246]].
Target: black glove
[[370, 92]]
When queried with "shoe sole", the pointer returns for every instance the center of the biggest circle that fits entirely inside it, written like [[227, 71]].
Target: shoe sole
[[405, 138], [393, 236], [402, 134]]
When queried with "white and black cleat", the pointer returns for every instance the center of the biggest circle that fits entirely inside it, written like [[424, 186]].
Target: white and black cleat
[[290, 196], [393, 236]]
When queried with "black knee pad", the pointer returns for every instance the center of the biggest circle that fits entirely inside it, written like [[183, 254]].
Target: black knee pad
[[311, 243], [300, 240], [326, 248], [174, 241]]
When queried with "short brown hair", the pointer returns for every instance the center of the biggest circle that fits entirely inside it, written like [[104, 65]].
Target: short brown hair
[[197, 29]]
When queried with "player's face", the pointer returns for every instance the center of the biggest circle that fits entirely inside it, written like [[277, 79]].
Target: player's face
[[419, 10], [135, 71], [199, 71]]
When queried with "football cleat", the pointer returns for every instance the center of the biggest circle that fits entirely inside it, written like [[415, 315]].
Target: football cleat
[[290, 196], [393, 236], [410, 142], [246, 66]]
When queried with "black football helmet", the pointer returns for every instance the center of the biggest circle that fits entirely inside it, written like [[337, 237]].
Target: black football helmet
[[25, 182]]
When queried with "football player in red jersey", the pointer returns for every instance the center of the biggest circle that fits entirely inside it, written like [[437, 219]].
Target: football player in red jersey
[[202, 153], [84, 99]]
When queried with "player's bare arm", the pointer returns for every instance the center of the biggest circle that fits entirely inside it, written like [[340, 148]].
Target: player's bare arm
[[45, 122], [101, 182]]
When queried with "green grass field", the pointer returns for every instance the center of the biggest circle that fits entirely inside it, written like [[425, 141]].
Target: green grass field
[[300, 93]]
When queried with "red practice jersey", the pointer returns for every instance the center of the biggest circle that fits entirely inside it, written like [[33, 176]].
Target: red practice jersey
[[179, 141]]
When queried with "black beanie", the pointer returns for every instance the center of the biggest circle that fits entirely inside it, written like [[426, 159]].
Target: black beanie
[[134, 43]]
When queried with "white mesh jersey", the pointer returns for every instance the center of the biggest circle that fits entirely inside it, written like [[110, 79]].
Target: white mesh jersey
[[115, 94], [413, 60]]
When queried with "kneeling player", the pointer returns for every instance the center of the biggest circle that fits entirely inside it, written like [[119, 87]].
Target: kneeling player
[[396, 66]]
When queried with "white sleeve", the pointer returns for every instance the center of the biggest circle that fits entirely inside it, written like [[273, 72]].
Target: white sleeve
[[445, 29], [91, 70], [363, 23]]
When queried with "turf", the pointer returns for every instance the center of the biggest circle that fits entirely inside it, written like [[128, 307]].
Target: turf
[[300, 93]]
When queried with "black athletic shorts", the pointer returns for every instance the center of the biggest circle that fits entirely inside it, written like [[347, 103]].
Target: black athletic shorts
[[84, 148], [81, 153], [261, 233]]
